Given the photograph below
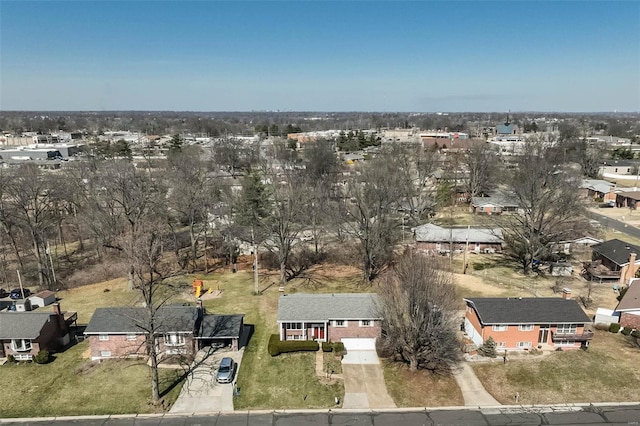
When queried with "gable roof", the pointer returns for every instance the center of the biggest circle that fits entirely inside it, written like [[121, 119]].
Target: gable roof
[[617, 251], [434, 233], [22, 325], [631, 299], [324, 307], [498, 198], [118, 320], [221, 326], [529, 310], [597, 185], [634, 195]]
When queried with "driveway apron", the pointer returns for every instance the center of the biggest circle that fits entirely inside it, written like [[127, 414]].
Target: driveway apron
[[364, 385], [472, 390], [200, 392]]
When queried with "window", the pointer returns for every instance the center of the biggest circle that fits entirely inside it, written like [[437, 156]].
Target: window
[[340, 323], [21, 344], [294, 326], [131, 337], [525, 327], [500, 327], [173, 339], [523, 345], [566, 343], [366, 323], [103, 337], [566, 329], [105, 354], [502, 345]]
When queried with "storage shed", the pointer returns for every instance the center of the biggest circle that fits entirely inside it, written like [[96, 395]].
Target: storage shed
[[43, 298]]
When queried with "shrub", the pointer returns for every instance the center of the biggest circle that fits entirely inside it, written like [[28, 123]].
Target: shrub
[[614, 327], [626, 331], [42, 357], [11, 358], [277, 347], [636, 334], [338, 348], [327, 346], [488, 348], [273, 346]]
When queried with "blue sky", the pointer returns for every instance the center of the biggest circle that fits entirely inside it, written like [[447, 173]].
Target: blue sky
[[320, 56]]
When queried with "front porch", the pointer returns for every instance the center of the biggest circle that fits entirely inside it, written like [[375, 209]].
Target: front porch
[[304, 331]]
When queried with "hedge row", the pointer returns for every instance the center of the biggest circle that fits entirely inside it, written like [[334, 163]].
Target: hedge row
[[277, 347], [337, 347]]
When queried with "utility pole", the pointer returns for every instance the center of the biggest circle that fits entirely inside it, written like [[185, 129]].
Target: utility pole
[[20, 282]]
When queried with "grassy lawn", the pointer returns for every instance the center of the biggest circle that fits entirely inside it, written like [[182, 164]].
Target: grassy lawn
[[288, 380], [331, 362], [72, 385], [607, 371], [420, 388]]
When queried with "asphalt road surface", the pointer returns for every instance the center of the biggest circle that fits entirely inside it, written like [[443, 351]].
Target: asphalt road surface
[[615, 224], [532, 416]]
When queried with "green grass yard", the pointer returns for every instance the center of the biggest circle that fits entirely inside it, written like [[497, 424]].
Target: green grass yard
[[288, 380], [606, 372], [72, 385]]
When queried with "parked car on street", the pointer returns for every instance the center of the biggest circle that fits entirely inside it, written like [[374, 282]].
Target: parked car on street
[[16, 293], [226, 370]]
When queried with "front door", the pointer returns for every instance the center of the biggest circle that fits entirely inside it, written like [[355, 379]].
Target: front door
[[543, 334], [318, 332]]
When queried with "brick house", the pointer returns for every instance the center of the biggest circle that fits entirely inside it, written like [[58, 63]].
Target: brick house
[[436, 239], [340, 317], [615, 254], [526, 323], [24, 334], [120, 332], [496, 203], [595, 189], [629, 306]]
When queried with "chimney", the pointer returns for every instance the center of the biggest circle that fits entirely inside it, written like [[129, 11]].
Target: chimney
[[632, 259], [566, 293], [200, 306], [56, 308]]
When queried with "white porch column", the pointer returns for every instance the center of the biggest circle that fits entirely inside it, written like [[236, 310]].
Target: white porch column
[[281, 331], [304, 330]]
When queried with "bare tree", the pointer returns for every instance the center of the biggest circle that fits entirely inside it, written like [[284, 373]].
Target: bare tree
[[481, 161], [32, 208], [418, 304], [285, 220], [371, 210], [191, 195], [236, 156], [549, 202]]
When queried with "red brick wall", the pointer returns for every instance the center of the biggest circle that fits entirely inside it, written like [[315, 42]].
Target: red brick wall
[[118, 345], [512, 335], [629, 320], [353, 330], [35, 348]]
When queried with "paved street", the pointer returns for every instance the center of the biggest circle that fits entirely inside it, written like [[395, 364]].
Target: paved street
[[615, 224], [532, 416]]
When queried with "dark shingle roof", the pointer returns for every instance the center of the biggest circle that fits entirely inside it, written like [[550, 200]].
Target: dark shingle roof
[[221, 326], [22, 325], [531, 310], [132, 320], [631, 299], [323, 307], [617, 251]]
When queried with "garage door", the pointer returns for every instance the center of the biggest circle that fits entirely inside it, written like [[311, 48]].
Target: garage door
[[359, 344]]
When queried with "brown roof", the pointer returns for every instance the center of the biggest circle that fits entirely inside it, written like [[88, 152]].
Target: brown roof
[[45, 293], [634, 195], [631, 299]]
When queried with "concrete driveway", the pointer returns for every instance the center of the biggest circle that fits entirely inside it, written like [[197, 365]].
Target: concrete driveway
[[472, 390], [364, 385], [201, 393]]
